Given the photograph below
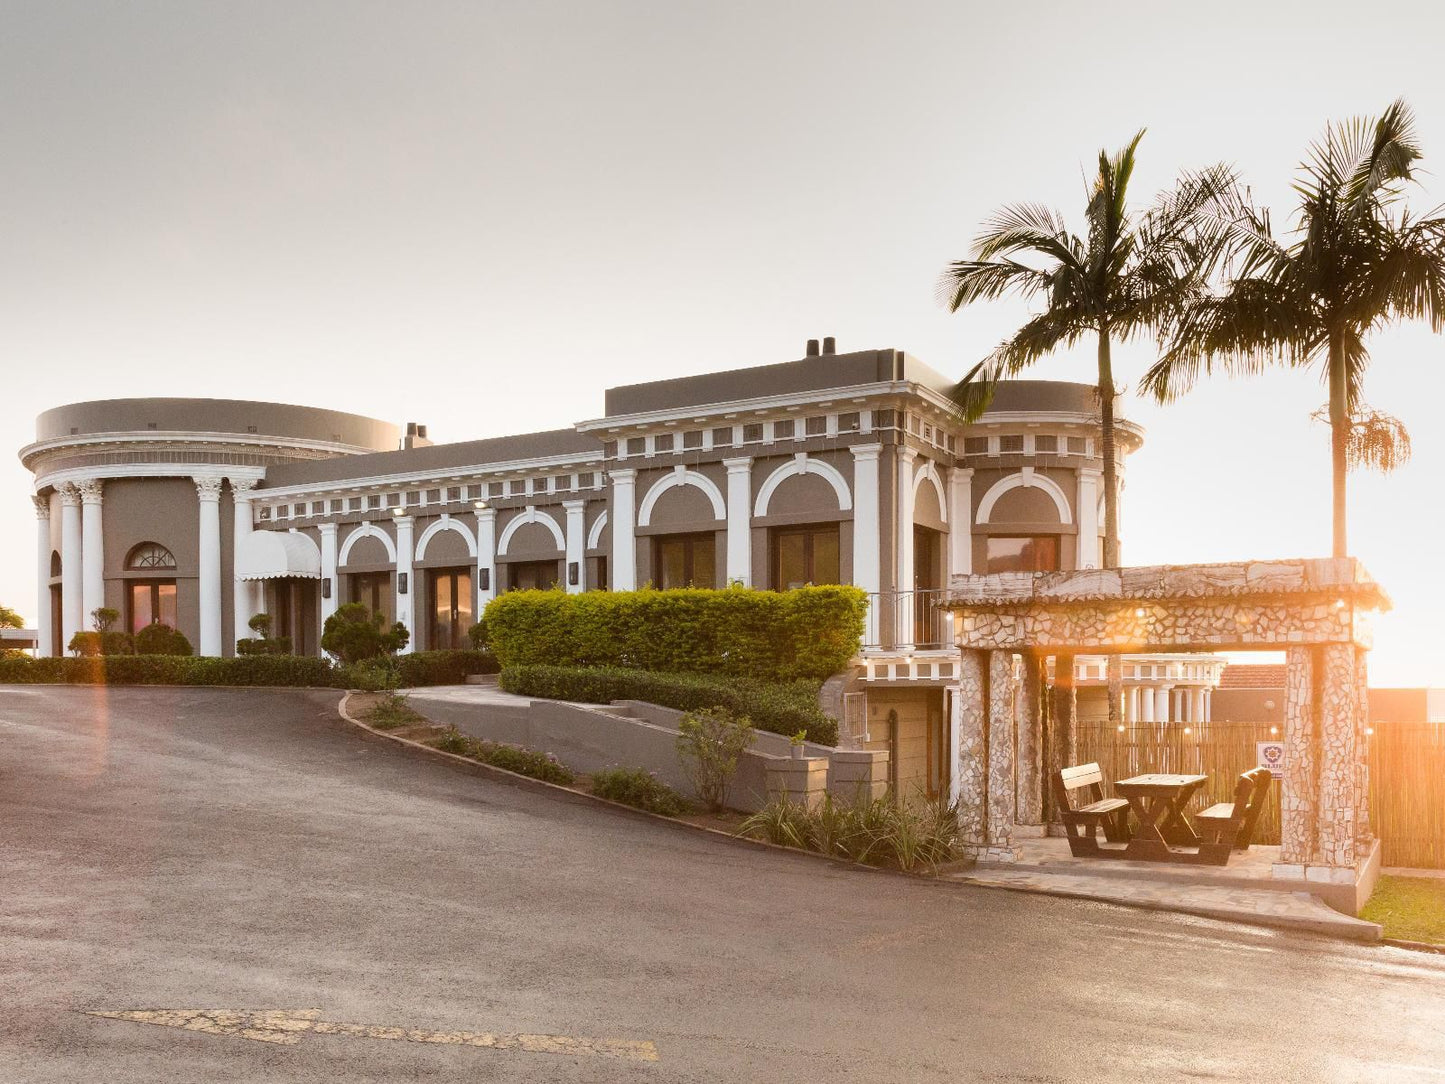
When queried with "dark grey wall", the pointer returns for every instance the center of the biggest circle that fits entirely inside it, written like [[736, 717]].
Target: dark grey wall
[[216, 416]]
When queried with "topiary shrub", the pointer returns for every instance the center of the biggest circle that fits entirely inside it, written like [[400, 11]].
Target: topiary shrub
[[810, 632], [161, 639], [353, 634]]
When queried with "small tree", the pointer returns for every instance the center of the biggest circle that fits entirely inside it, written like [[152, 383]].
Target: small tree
[[103, 617], [710, 742], [260, 624], [353, 634]]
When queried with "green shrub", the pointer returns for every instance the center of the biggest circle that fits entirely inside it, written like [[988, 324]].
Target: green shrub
[[266, 645], [160, 639], [780, 708], [639, 788], [710, 742], [811, 632], [102, 642], [390, 712], [527, 762], [85, 644], [477, 635], [442, 667], [881, 832], [354, 634]]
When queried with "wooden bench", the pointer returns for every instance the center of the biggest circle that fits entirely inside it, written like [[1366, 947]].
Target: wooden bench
[[1229, 826], [1081, 822]]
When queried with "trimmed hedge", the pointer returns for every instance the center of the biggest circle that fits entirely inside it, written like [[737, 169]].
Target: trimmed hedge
[[810, 632], [420, 668], [638, 788], [781, 708]]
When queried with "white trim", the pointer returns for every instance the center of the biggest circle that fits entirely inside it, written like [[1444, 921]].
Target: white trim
[[56, 479], [681, 476], [1025, 478], [446, 523], [530, 515], [800, 464], [594, 536], [160, 438], [929, 472], [462, 474], [366, 530]]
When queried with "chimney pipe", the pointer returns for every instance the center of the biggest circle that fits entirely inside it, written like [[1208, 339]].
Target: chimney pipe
[[812, 348], [830, 345]]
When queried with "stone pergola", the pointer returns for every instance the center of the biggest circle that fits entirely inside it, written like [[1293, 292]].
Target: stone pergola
[[1316, 611]]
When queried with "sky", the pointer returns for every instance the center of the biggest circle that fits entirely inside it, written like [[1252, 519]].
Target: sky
[[478, 216]]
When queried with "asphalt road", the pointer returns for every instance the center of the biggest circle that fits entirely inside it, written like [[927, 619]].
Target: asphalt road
[[183, 849]]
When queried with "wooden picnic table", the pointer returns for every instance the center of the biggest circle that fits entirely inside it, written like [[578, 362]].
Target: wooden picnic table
[[1158, 802]]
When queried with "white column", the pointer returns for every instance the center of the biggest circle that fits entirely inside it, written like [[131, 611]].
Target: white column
[[244, 601], [486, 556], [960, 521], [71, 613], [1161, 704], [868, 535], [624, 530], [1147, 704], [1208, 706], [92, 548], [904, 545], [404, 579], [576, 545], [44, 632], [328, 573], [740, 521], [1087, 518], [208, 575], [1131, 704], [1196, 706]]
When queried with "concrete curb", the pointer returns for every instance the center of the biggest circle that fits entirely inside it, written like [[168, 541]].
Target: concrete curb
[[581, 798], [1413, 946]]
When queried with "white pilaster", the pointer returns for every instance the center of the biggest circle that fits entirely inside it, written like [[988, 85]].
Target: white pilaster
[[867, 533], [576, 545], [904, 545], [208, 568], [328, 572], [1087, 517], [44, 630], [404, 577], [740, 512], [486, 557], [92, 547], [245, 594], [71, 614], [624, 530], [960, 521]]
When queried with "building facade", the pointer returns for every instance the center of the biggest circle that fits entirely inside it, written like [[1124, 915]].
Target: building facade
[[836, 468]]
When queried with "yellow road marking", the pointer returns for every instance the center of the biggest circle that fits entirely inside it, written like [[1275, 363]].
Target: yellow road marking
[[287, 1026]]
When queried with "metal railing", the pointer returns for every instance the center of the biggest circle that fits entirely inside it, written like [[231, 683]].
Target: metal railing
[[907, 619]]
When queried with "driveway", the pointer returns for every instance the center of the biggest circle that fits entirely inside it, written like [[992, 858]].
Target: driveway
[[202, 849]]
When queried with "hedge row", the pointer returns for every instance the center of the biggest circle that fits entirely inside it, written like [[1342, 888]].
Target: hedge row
[[810, 632], [784, 708], [419, 668]]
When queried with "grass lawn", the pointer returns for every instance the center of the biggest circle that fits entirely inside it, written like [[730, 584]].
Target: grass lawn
[[1410, 908]]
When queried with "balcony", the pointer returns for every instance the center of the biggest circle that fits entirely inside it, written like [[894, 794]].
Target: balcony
[[907, 638]]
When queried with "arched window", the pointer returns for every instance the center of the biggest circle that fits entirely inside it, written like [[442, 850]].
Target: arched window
[[151, 592], [54, 564], [150, 557]]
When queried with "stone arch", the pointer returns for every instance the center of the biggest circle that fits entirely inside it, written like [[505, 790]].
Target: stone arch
[[446, 523], [366, 530], [594, 536], [929, 473], [1026, 477], [681, 476], [530, 515], [803, 464]]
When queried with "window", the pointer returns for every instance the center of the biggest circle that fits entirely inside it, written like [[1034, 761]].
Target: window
[[722, 437], [532, 575], [849, 423], [373, 590], [451, 608], [685, 560], [1046, 442], [692, 438], [816, 426], [783, 430], [636, 445], [753, 433], [975, 445], [1035, 553], [1077, 445], [1011, 443], [804, 555], [662, 442], [149, 557], [152, 601]]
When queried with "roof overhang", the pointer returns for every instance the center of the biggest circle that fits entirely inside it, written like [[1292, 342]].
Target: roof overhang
[[269, 555]]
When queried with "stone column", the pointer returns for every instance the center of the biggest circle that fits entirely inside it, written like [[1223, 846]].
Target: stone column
[[960, 521], [208, 567], [44, 630], [1002, 731], [624, 530], [1066, 712], [1087, 518], [971, 768], [1114, 672], [576, 545], [904, 545], [328, 573], [92, 547], [1297, 795], [405, 588], [71, 614], [740, 521], [1364, 834], [1029, 785], [1339, 774], [867, 536], [245, 600], [486, 556]]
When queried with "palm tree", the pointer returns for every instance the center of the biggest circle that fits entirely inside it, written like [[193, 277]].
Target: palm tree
[[1356, 261], [1126, 276]]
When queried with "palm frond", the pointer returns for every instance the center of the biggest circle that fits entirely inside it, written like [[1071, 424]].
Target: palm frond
[[1376, 441], [966, 281]]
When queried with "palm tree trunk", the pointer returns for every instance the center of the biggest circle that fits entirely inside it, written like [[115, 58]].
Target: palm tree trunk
[[1339, 440], [1115, 668]]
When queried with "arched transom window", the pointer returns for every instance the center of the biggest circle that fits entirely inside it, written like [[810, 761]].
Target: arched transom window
[[150, 557]]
